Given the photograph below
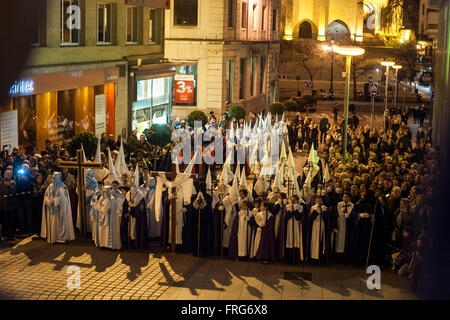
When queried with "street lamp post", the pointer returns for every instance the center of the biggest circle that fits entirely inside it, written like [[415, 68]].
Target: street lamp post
[[331, 48], [348, 52], [396, 67], [387, 64]]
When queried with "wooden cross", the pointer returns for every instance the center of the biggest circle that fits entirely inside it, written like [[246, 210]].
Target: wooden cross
[[80, 166], [171, 176]]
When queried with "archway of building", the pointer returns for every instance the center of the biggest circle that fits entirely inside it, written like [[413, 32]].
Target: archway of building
[[338, 31], [305, 29]]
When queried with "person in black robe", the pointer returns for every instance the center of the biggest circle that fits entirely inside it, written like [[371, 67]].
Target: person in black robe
[[234, 245], [278, 211], [266, 248], [366, 214], [124, 222], [188, 239], [293, 211], [218, 213], [139, 213], [201, 209], [164, 239], [321, 254]]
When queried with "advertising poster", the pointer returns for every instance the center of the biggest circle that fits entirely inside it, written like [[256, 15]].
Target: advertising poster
[[184, 89], [9, 131]]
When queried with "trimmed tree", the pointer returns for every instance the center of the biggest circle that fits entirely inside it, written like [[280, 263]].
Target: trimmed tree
[[236, 111], [196, 116], [89, 141], [291, 105], [158, 135], [277, 108]]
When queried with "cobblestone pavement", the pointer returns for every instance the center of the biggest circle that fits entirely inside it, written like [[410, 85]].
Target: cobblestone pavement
[[32, 269]]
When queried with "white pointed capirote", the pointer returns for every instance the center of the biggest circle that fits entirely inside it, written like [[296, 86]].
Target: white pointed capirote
[[177, 167], [243, 180], [209, 182], [121, 165], [136, 177], [276, 120], [98, 158], [282, 118], [238, 172], [190, 166], [112, 171], [234, 191], [84, 154]]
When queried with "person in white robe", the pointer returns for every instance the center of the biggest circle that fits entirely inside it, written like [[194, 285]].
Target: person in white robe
[[260, 218], [117, 199], [344, 208], [230, 215], [57, 224], [294, 227], [317, 232], [101, 217], [154, 226]]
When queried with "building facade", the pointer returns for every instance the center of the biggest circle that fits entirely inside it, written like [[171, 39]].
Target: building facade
[[84, 60], [227, 53], [322, 20], [441, 77]]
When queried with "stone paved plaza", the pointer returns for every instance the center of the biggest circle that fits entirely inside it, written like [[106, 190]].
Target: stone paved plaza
[[32, 269]]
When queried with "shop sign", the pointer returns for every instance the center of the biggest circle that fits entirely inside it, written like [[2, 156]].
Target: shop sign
[[100, 114], [184, 89], [22, 88], [9, 130]]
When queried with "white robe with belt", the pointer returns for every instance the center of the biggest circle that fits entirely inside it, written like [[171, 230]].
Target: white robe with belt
[[101, 220], [318, 232], [117, 200], [294, 231], [57, 225], [342, 225]]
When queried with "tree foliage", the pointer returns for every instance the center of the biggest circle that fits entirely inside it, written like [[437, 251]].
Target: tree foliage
[[236, 111], [277, 108], [89, 141], [159, 134], [196, 116], [406, 54]]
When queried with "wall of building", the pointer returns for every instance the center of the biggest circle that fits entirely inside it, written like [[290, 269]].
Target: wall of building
[[228, 43], [51, 56], [321, 13], [441, 76]]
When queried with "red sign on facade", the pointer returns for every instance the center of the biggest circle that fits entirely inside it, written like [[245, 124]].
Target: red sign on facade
[[184, 89]]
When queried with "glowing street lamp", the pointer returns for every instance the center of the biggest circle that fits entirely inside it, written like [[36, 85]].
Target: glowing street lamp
[[386, 64], [330, 48], [396, 68], [348, 52]]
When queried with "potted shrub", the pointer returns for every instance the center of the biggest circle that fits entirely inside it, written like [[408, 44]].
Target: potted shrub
[[196, 116], [291, 105], [236, 111], [277, 108], [309, 102], [89, 141], [158, 135]]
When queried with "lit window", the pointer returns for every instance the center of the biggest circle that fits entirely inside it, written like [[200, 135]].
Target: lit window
[[255, 17], [104, 23], [263, 16], [185, 12], [70, 22], [244, 15], [132, 25]]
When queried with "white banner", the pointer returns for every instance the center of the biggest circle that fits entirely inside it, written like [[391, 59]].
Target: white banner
[[100, 114], [9, 129]]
